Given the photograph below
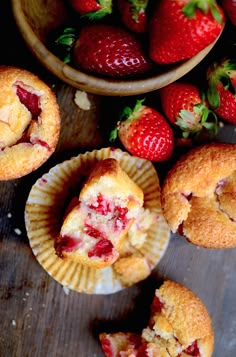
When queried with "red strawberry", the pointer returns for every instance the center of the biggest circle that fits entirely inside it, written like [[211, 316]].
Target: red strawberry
[[180, 29], [183, 105], [230, 9], [94, 9], [222, 89], [110, 51], [145, 133], [133, 14]]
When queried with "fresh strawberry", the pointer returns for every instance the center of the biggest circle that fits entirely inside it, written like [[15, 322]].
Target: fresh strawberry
[[179, 29], [222, 89], [230, 8], [110, 51], [185, 107], [94, 9], [145, 133], [133, 14]]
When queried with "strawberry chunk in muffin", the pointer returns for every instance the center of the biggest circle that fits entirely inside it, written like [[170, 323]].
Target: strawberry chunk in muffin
[[93, 231]]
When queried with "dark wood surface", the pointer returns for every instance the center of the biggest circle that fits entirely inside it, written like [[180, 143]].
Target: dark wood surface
[[38, 317]]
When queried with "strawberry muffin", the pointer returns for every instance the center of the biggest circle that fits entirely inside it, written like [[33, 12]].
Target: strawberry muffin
[[95, 223], [29, 122], [93, 231], [199, 196], [179, 326]]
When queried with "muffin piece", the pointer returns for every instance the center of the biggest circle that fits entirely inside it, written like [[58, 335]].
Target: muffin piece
[[29, 122], [93, 231], [199, 196], [179, 323], [120, 344], [179, 326]]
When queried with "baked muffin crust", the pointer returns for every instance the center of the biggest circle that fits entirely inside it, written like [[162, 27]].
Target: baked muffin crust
[[199, 196]]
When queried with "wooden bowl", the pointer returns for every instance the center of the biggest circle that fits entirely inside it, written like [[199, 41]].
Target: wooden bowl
[[37, 18]]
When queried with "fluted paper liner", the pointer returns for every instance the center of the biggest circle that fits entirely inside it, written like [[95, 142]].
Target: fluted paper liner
[[46, 205]]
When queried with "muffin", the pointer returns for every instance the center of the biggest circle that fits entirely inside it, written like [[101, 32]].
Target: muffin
[[56, 194], [199, 196], [93, 231], [179, 325], [29, 124]]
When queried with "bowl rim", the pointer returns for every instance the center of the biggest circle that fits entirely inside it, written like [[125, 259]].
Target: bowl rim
[[91, 83]]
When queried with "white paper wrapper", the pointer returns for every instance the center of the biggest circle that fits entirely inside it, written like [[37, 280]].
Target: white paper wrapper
[[46, 206]]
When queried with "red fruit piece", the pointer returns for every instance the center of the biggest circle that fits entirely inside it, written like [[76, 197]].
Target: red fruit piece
[[120, 216], [29, 99], [156, 305], [66, 244], [193, 350], [94, 232], [133, 14], [180, 29], [222, 89], [103, 247], [142, 350], [110, 51], [185, 107], [145, 133], [230, 9], [92, 8], [100, 205], [117, 343]]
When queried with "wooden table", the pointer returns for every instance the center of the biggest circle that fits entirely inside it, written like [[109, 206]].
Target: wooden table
[[38, 317]]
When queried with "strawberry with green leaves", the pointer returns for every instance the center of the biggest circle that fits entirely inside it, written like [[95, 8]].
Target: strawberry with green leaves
[[230, 8], [221, 92], [93, 9], [111, 51], [179, 29], [133, 14], [145, 133], [186, 108]]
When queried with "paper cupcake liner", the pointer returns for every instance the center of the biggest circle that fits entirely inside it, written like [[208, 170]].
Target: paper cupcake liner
[[46, 205]]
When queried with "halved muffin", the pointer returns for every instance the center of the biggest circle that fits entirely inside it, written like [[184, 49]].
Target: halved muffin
[[29, 122]]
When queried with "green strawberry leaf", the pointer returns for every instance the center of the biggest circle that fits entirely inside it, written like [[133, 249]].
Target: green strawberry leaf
[[105, 10], [128, 113], [213, 95], [113, 134], [190, 8], [192, 124], [215, 13], [64, 43], [136, 7]]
